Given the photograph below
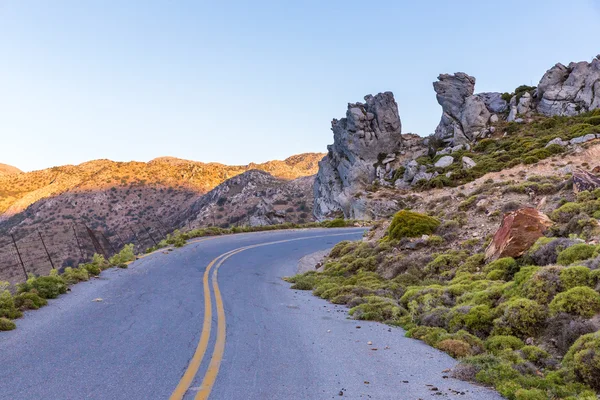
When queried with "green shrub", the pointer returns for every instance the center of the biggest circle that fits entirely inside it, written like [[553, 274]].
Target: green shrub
[[123, 257], [335, 223], [377, 309], [427, 334], [534, 354], [75, 275], [584, 358], [503, 269], [530, 394], [520, 317], [495, 344], [304, 281], [477, 319], [581, 301], [565, 212], [48, 287], [411, 224], [575, 276], [456, 348], [179, 241], [6, 324], [29, 301], [8, 308], [91, 268], [541, 285], [578, 252]]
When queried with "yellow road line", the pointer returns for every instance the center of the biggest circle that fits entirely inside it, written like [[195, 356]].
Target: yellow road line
[[196, 360], [219, 348]]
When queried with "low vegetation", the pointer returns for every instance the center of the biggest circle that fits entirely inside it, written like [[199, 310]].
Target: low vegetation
[[523, 143], [527, 326]]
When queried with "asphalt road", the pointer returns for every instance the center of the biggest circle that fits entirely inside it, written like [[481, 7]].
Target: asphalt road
[[166, 327]]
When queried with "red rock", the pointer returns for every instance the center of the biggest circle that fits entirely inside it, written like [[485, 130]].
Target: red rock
[[520, 229], [583, 180]]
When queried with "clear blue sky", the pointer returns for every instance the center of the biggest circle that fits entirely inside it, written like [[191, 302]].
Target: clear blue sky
[[241, 81]]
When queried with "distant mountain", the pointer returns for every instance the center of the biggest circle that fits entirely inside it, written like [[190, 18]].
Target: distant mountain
[[6, 169], [18, 191]]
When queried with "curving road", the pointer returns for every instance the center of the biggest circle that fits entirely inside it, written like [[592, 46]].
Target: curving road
[[215, 319]]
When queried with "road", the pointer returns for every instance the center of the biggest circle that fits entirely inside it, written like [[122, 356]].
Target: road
[[210, 320]]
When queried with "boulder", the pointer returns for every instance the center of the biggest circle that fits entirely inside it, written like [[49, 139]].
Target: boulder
[[444, 162], [583, 180], [583, 139], [368, 130], [570, 90], [557, 141], [468, 162], [519, 230]]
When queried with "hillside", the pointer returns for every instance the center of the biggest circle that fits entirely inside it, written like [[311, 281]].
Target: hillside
[[17, 192], [8, 170], [138, 203], [487, 240]]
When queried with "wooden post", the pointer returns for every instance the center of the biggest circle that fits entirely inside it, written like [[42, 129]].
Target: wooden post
[[46, 249], [19, 254]]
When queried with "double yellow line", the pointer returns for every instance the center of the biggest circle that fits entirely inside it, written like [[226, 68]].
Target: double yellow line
[[219, 348]]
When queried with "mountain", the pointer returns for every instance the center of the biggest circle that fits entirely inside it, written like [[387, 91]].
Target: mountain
[[8, 170], [136, 202], [17, 192]]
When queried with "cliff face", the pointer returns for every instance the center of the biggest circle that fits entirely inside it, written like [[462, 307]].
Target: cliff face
[[368, 135]]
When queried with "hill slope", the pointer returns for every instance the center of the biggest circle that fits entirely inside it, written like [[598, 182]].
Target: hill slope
[[6, 169]]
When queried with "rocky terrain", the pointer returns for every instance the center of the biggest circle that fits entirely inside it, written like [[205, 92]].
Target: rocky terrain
[[487, 244], [526, 125]]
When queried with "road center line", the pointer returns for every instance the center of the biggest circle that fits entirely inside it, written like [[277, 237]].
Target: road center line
[[219, 348]]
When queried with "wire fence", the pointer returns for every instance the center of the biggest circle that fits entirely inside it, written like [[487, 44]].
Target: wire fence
[[39, 250]]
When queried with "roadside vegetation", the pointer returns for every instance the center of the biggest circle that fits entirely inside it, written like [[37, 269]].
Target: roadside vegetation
[[528, 326], [37, 290]]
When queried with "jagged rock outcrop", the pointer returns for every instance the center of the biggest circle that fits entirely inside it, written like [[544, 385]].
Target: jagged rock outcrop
[[465, 115], [520, 229], [570, 90], [369, 135]]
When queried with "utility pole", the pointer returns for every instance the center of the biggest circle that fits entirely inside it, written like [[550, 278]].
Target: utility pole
[[46, 249], [109, 243], [97, 246], [78, 243], [151, 238], [19, 254]]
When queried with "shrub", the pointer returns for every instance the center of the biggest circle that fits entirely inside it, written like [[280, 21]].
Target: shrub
[[305, 281], [75, 275], [29, 301], [545, 250], [377, 309], [6, 324], [534, 354], [411, 224], [496, 344], [456, 348], [503, 269], [543, 284], [565, 212], [575, 276], [123, 257], [48, 287], [584, 358], [335, 223], [578, 252], [520, 317], [581, 301], [179, 241], [477, 319], [8, 308], [427, 334]]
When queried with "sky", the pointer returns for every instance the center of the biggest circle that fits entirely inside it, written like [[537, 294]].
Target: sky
[[242, 81]]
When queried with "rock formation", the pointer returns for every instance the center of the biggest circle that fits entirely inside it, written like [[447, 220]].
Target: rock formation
[[465, 116], [570, 90], [583, 180], [520, 229], [369, 135]]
